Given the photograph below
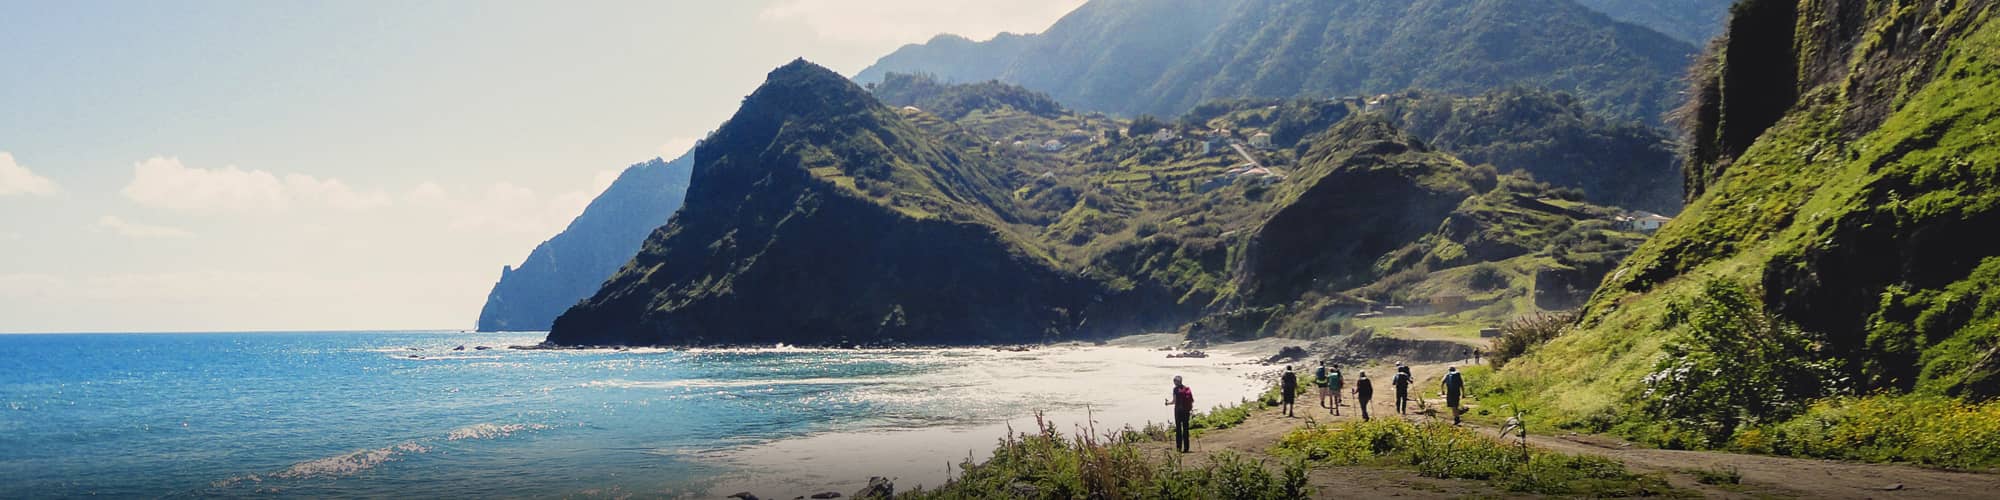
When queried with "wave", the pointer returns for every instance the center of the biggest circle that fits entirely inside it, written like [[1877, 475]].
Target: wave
[[490, 431], [348, 464], [704, 383]]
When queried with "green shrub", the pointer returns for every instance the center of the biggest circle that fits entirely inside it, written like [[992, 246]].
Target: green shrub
[[1485, 277], [1731, 365], [1718, 475], [1925, 429]]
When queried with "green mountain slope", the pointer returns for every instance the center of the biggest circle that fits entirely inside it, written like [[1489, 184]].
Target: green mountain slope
[[1845, 163], [817, 215], [983, 213]]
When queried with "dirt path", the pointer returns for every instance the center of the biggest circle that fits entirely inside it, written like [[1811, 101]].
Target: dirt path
[[1763, 476]]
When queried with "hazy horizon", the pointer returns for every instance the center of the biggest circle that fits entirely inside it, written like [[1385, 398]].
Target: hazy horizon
[[246, 166]]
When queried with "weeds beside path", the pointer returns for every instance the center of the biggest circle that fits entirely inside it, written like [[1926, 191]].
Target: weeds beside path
[[1708, 474]]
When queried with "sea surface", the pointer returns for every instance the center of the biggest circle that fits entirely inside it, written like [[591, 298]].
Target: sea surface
[[405, 414]]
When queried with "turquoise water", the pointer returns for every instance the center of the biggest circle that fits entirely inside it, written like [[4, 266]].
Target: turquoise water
[[351, 414], [356, 415]]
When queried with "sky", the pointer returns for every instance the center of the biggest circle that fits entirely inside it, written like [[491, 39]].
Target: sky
[[349, 165]]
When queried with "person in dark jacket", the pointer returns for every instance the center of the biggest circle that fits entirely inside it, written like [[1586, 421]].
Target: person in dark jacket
[[1183, 402], [1454, 386], [1288, 384], [1362, 391], [1402, 383]]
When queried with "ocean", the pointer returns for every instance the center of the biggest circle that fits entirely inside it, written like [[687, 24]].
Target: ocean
[[405, 414]]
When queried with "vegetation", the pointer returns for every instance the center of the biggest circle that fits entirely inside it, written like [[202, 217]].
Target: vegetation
[[953, 102], [1915, 428], [1815, 260], [1047, 464], [1551, 136], [1526, 332], [1444, 451]]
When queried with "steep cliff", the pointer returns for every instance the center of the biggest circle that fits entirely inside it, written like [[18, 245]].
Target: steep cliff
[[1843, 171], [817, 215], [571, 265]]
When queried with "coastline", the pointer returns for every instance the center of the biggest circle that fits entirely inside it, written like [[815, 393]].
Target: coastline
[[1117, 392]]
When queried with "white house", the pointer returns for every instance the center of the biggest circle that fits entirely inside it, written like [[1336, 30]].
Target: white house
[[1052, 145], [1647, 221], [1261, 140], [1164, 135]]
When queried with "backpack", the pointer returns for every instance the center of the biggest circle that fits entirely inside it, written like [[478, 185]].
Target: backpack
[[1183, 398]]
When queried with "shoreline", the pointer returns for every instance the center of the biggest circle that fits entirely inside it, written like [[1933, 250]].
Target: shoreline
[[1114, 397]]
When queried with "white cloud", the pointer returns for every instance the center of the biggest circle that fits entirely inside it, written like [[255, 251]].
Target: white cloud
[[10, 236], [17, 179], [163, 182], [333, 193], [139, 231], [904, 21]]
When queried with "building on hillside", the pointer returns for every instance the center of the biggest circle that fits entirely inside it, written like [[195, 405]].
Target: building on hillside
[[1077, 136], [1645, 221], [1052, 145], [1021, 144], [1261, 140], [912, 110], [1165, 134]]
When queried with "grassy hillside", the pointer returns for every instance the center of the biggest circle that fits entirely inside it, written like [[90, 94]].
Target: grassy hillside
[[1832, 255]]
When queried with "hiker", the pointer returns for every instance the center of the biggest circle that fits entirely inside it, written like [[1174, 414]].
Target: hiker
[[1183, 403], [1362, 391], [1333, 386], [1289, 385], [1319, 383], [1454, 386], [1402, 383], [1475, 355]]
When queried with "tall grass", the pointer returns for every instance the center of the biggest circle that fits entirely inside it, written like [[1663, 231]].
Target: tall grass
[[1526, 332], [1444, 451], [1924, 429], [1048, 464]]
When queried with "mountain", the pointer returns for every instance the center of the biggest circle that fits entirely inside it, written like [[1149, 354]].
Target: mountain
[[1164, 57], [570, 266], [817, 215], [1841, 168], [1691, 21], [1549, 135], [979, 213], [951, 58]]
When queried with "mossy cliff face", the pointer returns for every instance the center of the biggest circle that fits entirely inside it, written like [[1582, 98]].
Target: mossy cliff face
[[780, 239], [1858, 214]]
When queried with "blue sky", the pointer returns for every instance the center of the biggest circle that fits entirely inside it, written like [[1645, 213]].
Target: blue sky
[[287, 165]]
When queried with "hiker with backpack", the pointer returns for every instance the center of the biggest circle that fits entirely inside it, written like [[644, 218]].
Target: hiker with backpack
[[1289, 386], [1333, 386], [1319, 383], [1363, 390], [1182, 399], [1402, 383], [1454, 386]]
